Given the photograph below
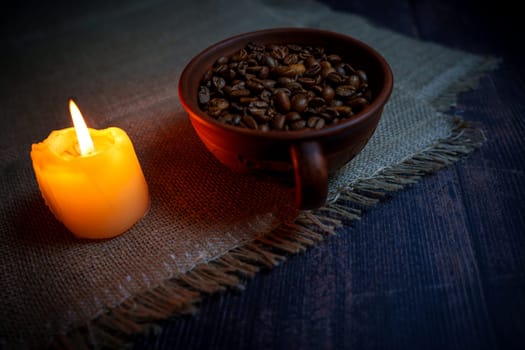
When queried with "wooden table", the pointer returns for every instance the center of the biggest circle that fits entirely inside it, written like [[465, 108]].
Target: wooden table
[[438, 265]]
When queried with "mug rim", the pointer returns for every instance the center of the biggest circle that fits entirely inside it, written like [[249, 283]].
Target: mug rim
[[190, 103]]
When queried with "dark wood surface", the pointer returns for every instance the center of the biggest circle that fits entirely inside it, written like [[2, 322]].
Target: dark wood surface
[[440, 265]]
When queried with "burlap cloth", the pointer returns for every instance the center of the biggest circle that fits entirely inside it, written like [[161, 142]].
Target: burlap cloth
[[206, 226]]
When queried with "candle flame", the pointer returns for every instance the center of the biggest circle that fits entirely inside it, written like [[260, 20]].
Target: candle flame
[[84, 139]]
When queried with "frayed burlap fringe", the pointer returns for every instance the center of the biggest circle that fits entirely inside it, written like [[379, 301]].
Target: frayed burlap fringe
[[115, 328]]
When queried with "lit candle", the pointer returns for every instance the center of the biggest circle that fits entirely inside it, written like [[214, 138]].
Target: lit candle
[[91, 180]]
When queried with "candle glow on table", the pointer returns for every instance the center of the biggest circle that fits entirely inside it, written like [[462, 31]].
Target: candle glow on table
[[90, 179]]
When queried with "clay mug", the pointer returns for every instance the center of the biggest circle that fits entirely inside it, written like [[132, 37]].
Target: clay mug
[[309, 156]]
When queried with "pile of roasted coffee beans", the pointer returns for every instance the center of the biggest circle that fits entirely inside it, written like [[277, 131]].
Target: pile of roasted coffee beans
[[283, 87]]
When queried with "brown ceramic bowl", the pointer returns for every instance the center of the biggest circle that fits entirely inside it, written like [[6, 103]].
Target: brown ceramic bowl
[[309, 156]]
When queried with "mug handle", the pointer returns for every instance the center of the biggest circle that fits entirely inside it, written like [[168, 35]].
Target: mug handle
[[311, 174]]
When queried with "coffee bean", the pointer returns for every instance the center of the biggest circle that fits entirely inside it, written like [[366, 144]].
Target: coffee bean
[[292, 70], [310, 111], [236, 107], [270, 62], [255, 47], [345, 91], [299, 102], [307, 81], [254, 69], [222, 60], [217, 105], [310, 61], [294, 48], [326, 69], [340, 68], [310, 94], [248, 100], [368, 95], [283, 87], [327, 93], [334, 58], [264, 72], [327, 117], [291, 59], [358, 103], [298, 124], [316, 89], [236, 119], [242, 67], [319, 50], [278, 122], [230, 74], [298, 68], [263, 118], [250, 122], [362, 75], [251, 61], [335, 78], [295, 87], [219, 69], [257, 112], [284, 80], [336, 103], [343, 111], [265, 96], [255, 85], [347, 69], [204, 95], [279, 52], [240, 55], [284, 71], [239, 93], [354, 81], [268, 83], [227, 90], [207, 75], [238, 84], [313, 70], [282, 101], [227, 118], [316, 102], [259, 104], [315, 123], [293, 116]]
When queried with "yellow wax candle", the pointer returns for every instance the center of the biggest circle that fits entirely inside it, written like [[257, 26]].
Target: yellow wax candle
[[91, 179]]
